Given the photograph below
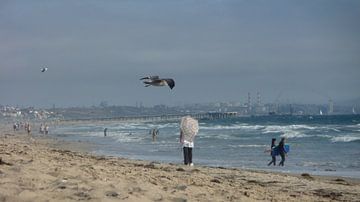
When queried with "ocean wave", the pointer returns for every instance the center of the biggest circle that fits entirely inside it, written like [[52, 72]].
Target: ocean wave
[[325, 136], [232, 127], [286, 128], [293, 134], [249, 146], [345, 138], [318, 164]]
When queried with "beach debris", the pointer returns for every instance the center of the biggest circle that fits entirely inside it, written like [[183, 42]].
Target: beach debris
[[307, 176], [44, 69], [150, 165], [181, 187], [328, 193], [180, 169], [156, 81], [83, 195], [215, 180], [5, 163], [111, 194], [339, 180]]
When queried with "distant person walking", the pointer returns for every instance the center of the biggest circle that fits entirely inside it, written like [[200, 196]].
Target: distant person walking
[[154, 133], [42, 129], [28, 129], [15, 127], [282, 151], [189, 127], [272, 152], [105, 131], [46, 129]]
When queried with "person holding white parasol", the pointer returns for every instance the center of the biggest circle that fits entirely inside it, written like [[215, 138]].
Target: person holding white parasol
[[189, 127]]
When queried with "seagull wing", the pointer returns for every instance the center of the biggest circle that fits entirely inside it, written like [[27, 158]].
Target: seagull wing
[[150, 77]]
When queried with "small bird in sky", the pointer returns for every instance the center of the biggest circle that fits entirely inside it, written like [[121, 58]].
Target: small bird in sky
[[44, 69]]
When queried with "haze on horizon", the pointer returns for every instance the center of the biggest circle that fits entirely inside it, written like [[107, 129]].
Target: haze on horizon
[[217, 50]]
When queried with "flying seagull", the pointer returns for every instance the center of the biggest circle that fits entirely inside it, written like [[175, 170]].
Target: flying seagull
[[44, 69], [156, 81]]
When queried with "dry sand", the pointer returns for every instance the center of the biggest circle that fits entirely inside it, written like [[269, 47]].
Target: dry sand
[[43, 169]]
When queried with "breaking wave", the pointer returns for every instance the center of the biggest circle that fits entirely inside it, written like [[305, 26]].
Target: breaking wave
[[345, 138], [293, 134], [248, 146], [232, 127]]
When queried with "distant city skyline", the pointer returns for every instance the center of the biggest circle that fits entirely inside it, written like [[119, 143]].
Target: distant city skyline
[[217, 51]]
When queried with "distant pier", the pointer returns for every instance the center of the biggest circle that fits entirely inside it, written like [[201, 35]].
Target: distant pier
[[165, 117]]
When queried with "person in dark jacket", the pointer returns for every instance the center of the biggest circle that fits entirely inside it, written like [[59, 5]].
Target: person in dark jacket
[[282, 151], [272, 153]]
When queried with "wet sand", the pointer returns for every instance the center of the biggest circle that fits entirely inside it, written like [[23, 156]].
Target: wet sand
[[44, 169]]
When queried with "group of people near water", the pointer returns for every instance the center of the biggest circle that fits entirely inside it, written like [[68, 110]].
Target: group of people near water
[[44, 128], [188, 145], [20, 125]]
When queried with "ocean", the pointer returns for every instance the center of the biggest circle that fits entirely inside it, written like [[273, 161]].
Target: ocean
[[321, 145]]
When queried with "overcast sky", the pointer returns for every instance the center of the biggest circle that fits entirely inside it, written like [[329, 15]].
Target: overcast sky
[[216, 50]]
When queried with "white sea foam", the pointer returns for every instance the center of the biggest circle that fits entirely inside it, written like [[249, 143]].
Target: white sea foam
[[288, 131], [249, 146], [326, 136], [318, 164], [345, 138], [293, 134], [286, 128], [233, 127]]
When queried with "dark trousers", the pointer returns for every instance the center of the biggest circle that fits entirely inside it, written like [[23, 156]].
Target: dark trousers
[[187, 155], [273, 161], [282, 155]]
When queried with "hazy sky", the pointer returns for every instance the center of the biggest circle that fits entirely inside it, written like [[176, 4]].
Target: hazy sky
[[216, 50]]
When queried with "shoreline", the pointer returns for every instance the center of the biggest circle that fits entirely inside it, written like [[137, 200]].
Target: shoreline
[[335, 172], [41, 169]]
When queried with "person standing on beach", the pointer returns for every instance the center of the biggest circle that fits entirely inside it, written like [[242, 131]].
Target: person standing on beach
[[272, 152], [28, 129], [105, 130], [189, 127], [15, 127], [46, 129], [154, 133], [41, 129], [282, 151]]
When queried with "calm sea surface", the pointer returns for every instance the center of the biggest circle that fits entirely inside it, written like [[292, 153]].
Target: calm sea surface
[[325, 145]]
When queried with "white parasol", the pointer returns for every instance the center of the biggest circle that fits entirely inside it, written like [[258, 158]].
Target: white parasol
[[189, 127]]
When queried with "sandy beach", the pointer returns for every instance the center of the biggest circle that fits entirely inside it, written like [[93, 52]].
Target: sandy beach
[[45, 169]]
